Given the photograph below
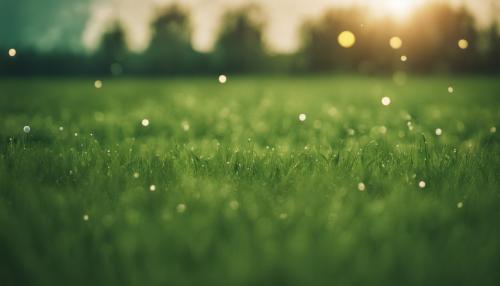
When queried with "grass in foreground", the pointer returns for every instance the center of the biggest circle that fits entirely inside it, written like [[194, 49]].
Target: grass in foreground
[[226, 186]]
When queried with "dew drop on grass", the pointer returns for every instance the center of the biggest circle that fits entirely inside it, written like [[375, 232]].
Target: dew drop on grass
[[12, 52], [386, 101], [361, 187], [98, 84], [422, 184]]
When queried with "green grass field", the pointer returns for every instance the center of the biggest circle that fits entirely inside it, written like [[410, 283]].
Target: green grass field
[[226, 186]]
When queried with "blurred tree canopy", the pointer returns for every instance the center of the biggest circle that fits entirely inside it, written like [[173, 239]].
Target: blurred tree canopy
[[493, 53], [321, 51], [429, 42], [112, 50], [240, 46], [170, 50]]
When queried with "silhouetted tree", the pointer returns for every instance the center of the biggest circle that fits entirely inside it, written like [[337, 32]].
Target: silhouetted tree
[[492, 61], [170, 50], [112, 50], [240, 46]]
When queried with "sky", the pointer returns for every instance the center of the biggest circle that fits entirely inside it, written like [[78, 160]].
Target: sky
[[51, 23]]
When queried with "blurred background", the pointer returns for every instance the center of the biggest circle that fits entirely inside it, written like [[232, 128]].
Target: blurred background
[[184, 37]]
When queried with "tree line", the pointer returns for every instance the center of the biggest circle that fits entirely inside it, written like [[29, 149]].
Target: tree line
[[437, 38]]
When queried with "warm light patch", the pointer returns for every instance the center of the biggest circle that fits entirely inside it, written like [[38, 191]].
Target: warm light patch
[[396, 43], [346, 39], [399, 9], [404, 58], [12, 52], [463, 44]]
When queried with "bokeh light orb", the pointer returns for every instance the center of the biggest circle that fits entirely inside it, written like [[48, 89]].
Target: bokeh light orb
[[12, 52], [98, 84], [145, 122], [346, 39], [181, 208], [396, 43], [26, 129], [404, 58], [302, 117], [422, 184], [361, 187], [222, 79], [386, 101], [463, 44]]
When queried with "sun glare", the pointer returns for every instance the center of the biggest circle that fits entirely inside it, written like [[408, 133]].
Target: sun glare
[[400, 9]]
